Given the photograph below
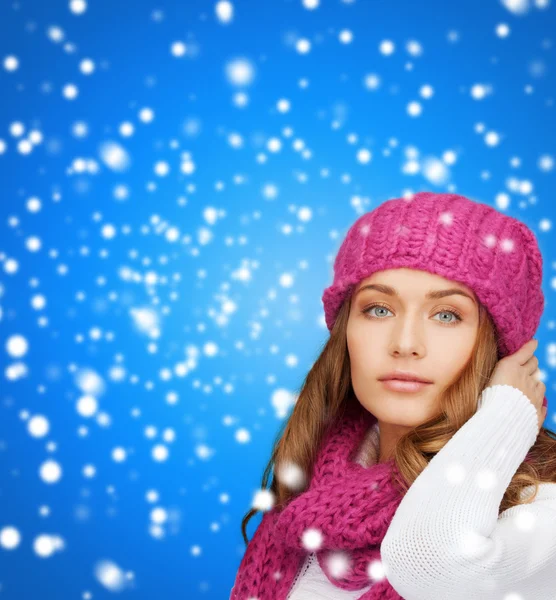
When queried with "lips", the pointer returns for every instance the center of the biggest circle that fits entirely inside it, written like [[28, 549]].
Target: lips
[[403, 379], [398, 385], [400, 376]]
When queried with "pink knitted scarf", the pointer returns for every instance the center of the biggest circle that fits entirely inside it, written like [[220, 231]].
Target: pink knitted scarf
[[351, 505]]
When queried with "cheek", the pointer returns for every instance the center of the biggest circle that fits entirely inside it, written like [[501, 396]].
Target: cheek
[[360, 350], [364, 370], [450, 362]]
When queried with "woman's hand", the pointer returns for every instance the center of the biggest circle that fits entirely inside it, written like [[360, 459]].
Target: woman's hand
[[520, 370]]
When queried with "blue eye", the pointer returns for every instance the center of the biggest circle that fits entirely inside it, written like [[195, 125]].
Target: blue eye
[[457, 316]]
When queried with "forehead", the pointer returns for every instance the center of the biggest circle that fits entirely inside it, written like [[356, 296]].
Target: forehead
[[414, 279]]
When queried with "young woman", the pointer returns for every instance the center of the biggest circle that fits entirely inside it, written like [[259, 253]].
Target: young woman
[[438, 490]]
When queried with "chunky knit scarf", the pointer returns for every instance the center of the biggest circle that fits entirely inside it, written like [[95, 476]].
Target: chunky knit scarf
[[348, 504]]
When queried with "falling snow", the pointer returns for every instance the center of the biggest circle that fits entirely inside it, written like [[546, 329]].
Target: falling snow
[[176, 183]]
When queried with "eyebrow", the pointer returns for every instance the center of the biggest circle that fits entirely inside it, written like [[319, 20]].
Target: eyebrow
[[434, 295]]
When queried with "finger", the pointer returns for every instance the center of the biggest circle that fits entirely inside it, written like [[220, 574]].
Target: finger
[[531, 365], [526, 351], [536, 375]]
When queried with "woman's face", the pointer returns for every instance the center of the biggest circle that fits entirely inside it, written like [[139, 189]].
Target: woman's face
[[412, 333]]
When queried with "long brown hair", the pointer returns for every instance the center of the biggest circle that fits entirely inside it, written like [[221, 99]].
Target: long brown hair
[[327, 390]]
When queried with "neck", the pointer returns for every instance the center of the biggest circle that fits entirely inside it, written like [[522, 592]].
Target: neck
[[390, 433]]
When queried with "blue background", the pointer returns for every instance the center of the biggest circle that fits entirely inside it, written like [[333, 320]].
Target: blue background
[[269, 256]]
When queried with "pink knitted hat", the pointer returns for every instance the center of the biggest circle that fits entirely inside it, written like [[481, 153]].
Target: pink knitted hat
[[449, 235]]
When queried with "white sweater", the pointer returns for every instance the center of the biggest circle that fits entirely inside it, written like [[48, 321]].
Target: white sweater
[[446, 541]]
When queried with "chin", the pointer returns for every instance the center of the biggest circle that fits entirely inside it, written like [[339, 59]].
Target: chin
[[405, 415]]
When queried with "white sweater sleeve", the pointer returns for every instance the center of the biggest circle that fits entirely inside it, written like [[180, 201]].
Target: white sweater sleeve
[[446, 540]]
